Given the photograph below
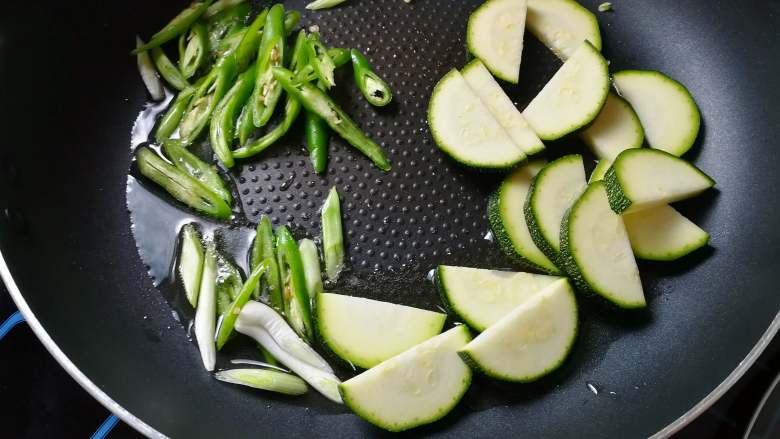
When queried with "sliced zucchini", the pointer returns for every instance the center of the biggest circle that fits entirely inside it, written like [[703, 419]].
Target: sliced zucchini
[[645, 177], [562, 25], [501, 107], [596, 251], [482, 297], [414, 388], [191, 262], [529, 342], [351, 327], [600, 170], [465, 130], [552, 192], [661, 233], [658, 233], [669, 114], [573, 97], [615, 129], [495, 35], [507, 219]]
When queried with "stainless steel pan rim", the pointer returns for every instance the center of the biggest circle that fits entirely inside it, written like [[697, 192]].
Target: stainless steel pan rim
[[149, 431]]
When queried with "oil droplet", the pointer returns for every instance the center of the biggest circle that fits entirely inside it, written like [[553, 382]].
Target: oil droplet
[[489, 236], [592, 387], [287, 183]]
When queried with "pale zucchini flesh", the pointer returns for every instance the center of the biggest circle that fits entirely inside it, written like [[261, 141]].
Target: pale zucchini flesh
[[668, 113], [573, 97], [495, 35], [482, 297], [661, 233], [464, 129], [645, 177], [501, 107], [615, 129], [562, 25], [553, 191], [414, 388], [507, 219], [352, 328], [597, 252], [530, 341]]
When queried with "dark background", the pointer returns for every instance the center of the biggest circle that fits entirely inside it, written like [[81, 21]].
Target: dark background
[[725, 51]]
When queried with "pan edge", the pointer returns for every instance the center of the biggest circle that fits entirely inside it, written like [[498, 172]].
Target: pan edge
[[149, 431], [64, 361]]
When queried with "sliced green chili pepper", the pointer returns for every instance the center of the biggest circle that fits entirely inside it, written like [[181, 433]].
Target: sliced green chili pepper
[[226, 23], [207, 97], [320, 60], [148, 73], [323, 4], [224, 117], [297, 304], [263, 249], [193, 56], [311, 267], [177, 26], [196, 168], [180, 185], [339, 56], [374, 89], [317, 138], [229, 284], [168, 70], [245, 125], [220, 6], [248, 46], [319, 102], [332, 235], [170, 121], [230, 315], [299, 56], [269, 54], [291, 110], [291, 19], [230, 43], [198, 105]]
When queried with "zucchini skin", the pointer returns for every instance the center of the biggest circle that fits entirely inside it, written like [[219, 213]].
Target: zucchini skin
[[474, 364], [533, 221], [673, 256], [687, 143], [370, 417], [502, 236], [618, 200], [441, 288], [442, 146], [572, 269], [471, 44]]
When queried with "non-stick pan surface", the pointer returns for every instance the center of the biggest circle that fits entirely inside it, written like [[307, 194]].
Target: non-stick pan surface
[[70, 94]]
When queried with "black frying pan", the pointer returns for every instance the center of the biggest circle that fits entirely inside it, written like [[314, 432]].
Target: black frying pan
[[70, 93]]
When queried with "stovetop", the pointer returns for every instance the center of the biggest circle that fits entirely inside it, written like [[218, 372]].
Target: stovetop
[[40, 400]]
